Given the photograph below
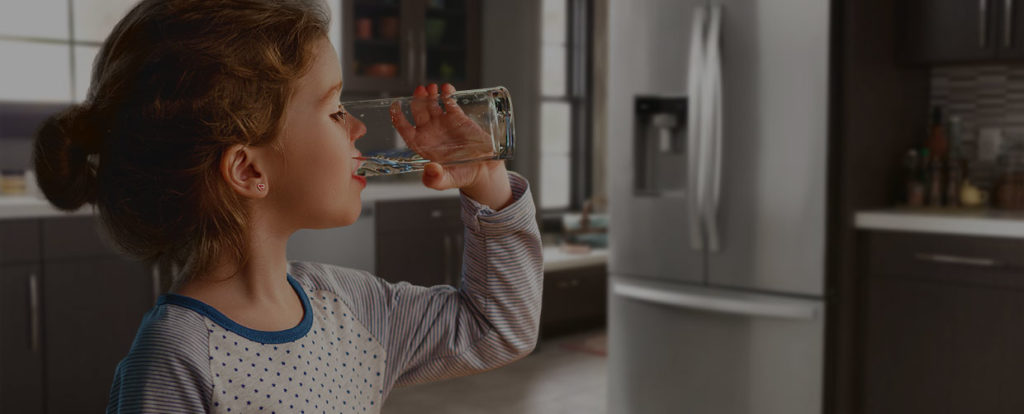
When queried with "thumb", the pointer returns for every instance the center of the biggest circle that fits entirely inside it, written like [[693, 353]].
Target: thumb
[[435, 176]]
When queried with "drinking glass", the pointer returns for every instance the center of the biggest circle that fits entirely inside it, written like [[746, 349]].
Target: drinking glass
[[404, 134]]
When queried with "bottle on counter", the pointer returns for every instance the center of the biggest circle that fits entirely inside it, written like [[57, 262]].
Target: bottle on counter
[[938, 142], [913, 187], [936, 189]]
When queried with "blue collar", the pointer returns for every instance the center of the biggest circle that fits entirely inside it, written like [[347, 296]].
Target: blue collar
[[264, 337]]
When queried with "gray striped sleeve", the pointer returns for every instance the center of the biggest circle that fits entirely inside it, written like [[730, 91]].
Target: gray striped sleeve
[[433, 333], [167, 369]]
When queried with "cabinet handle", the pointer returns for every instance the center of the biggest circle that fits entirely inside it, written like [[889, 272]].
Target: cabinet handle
[[958, 260], [982, 21], [448, 260], [1007, 23], [156, 283], [456, 260], [33, 305]]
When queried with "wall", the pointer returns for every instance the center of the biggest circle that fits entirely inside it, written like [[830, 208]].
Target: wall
[[511, 57]]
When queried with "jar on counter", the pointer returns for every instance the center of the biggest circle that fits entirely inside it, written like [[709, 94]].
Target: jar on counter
[[12, 182]]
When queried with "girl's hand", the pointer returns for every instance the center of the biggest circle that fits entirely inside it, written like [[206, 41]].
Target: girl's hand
[[447, 134]]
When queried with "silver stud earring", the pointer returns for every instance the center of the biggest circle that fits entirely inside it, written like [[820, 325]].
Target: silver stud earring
[[261, 186]]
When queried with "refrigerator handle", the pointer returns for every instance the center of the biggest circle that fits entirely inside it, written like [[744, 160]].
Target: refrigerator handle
[[767, 307], [713, 128], [694, 129]]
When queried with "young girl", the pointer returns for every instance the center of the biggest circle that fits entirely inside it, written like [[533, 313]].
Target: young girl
[[211, 133]]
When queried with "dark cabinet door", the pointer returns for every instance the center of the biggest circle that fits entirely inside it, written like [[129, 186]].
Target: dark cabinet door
[[379, 43], [420, 241], [946, 31], [450, 43], [574, 300], [21, 352], [943, 348], [392, 46], [1011, 29], [93, 308], [941, 324]]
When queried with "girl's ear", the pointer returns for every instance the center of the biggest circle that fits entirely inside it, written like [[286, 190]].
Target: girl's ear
[[240, 168]]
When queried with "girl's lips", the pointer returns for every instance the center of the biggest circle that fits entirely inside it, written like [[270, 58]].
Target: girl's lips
[[361, 180]]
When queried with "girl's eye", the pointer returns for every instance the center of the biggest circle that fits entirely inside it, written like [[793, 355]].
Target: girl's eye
[[339, 116]]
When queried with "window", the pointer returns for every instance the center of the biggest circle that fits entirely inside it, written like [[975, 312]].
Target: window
[[565, 105]]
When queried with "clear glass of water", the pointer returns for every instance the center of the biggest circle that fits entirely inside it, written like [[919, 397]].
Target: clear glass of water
[[405, 134]]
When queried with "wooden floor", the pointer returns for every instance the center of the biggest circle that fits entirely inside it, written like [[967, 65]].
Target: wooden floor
[[552, 380]]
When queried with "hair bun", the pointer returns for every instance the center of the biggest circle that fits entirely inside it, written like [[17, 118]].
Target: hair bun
[[62, 148]]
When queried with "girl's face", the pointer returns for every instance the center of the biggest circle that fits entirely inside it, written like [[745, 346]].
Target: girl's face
[[315, 185]]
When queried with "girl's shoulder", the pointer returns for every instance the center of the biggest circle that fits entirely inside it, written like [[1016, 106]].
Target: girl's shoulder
[[172, 331]]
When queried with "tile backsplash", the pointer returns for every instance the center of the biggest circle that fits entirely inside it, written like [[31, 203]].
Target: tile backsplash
[[983, 96]]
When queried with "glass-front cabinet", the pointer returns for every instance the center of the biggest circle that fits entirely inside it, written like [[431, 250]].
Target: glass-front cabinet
[[391, 46]]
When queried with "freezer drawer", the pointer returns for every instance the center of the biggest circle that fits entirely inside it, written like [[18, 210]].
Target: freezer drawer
[[676, 349]]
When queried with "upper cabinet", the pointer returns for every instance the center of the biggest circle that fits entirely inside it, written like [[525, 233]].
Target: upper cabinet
[[391, 46], [961, 31]]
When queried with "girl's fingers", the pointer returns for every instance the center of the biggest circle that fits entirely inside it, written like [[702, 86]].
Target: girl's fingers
[[433, 106], [437, 177], [450, 105], [418, 106], [402, 125]]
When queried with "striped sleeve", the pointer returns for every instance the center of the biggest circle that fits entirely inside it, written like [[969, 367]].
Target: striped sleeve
[[167, 369], [434, 333]]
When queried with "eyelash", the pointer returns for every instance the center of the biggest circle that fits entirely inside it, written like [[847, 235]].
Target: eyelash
[[339, 116]]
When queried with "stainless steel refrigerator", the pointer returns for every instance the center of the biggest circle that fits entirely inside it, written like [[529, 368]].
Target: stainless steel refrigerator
[[717, 126]]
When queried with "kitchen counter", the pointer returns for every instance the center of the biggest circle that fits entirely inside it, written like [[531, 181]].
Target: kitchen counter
[[555, 259], [26, 207], [963, 222]]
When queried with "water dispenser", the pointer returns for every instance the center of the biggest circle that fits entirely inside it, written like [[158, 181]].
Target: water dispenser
[[659, 143]]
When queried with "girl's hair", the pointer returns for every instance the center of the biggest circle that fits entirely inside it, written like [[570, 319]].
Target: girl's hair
[[175, 84]]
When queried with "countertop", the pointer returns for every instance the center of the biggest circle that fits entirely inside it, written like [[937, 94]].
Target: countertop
[[27, 206], [960, 222], [555, 259]]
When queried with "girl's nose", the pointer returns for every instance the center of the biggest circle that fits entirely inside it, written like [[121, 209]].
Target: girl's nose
[[356, 128]]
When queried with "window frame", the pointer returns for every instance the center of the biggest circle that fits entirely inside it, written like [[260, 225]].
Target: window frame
[[579, 82]]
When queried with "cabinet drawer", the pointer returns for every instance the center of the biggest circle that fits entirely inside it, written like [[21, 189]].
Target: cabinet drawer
[[75, 238], [399, 216], [961, 259], [19, 241], [573, 295]]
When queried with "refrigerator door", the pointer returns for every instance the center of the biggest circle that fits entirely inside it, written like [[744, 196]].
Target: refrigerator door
[[770, 217], [696, 350], [652, 235]]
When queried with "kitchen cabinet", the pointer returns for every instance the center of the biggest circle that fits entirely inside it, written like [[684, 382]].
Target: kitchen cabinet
[[72, 305], [93, 301], [574, 300], [392, 46], [420, 241], [942, 324], [21, 356], [93, 308], [34, 19], [955, 31]]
